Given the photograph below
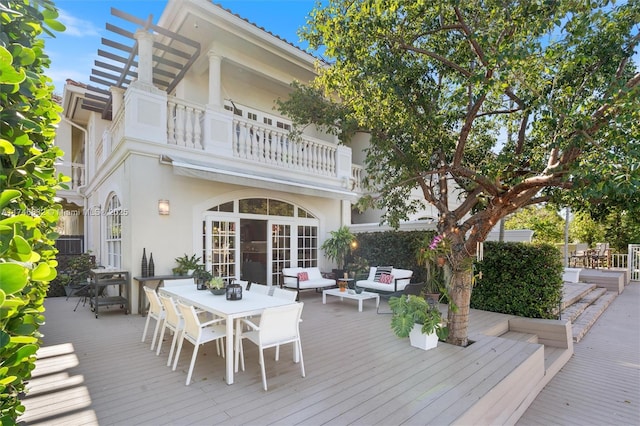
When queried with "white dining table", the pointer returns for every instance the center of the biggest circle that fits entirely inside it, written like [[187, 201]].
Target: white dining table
[[230, 310]]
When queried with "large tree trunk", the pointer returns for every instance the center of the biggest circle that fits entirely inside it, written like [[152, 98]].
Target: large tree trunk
[[458, 319]]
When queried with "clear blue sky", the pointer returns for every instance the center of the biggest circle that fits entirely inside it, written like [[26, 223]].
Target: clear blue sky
[[72, 53]]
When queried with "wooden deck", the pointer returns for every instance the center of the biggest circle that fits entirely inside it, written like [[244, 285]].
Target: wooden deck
[[601, 383], [96, 371]]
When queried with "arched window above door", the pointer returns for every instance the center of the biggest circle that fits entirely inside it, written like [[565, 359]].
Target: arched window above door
[[264, 206]]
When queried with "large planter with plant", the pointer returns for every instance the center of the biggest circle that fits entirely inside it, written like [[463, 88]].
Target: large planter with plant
[[338, 247], [411, 313], [420, 340]]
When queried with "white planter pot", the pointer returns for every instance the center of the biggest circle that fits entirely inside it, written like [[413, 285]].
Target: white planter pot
[[422, 341], [571, 275]]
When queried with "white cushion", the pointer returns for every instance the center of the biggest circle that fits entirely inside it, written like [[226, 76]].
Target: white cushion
[[315, 278], [403, 276]]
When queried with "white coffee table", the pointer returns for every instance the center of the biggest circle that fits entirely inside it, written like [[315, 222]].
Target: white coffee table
[[346, 295]]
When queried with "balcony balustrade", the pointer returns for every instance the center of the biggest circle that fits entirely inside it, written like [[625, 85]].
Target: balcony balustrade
[[250, 134]]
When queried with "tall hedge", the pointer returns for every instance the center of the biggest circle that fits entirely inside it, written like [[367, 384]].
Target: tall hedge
[[520, 279], [393, 248], [28, 213]]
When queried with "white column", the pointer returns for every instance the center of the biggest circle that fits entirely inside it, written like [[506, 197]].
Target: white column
[[145, 56], [117, 99], [215, 61]]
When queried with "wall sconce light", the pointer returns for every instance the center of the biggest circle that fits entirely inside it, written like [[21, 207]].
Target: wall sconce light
[[163, 207]]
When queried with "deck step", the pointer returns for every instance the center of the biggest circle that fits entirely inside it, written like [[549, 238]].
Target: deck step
[[590, 315], [576, 309], [521, 337], [572, 292]]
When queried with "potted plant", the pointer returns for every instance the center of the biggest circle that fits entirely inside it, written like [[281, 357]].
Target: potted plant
[[217, 286], [187, 265], [416, 318], [338, 247]]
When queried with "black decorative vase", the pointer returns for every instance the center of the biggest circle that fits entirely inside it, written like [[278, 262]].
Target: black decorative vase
[[152, 266], [144, 266]]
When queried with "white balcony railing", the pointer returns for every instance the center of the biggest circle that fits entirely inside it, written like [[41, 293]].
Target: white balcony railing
[[273, 146], [238, 131], [184, 123]]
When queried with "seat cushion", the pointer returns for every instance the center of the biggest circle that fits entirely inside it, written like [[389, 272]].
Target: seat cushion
[[315, 279]]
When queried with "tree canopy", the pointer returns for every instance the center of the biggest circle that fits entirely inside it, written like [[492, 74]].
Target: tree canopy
[[439, 84], [544, 221]]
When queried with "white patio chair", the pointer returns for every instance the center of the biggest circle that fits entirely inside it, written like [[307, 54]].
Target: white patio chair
[[197, 333], [259, 288], [244, 284], [156, 311], [285, 294], [173, 321], [278, 326]]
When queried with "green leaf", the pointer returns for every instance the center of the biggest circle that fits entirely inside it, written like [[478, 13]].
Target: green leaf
[[14, 277], [42, 272], [7, 195], [21, 248], [8, 74], [6, 147]]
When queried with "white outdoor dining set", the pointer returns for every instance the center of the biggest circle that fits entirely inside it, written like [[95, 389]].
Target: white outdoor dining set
[[267, 316]]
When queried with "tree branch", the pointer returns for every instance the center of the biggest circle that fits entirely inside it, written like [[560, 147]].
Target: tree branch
[[474, 44], [435, 56]]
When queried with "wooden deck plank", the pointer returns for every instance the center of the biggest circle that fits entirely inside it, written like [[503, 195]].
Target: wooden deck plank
[[601, 383], [355, 365]]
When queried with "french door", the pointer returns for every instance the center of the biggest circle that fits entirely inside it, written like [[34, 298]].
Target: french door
[[281, 245], [288, 244], [220, 246]]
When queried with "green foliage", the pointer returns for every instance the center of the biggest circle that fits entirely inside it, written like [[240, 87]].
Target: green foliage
[[216, 282], [584, 229], [394, 248], [28, 213], [436, 84], [187, 263], [544, 221], [622, 228], [519, 279], [408, 310], [338, 246]]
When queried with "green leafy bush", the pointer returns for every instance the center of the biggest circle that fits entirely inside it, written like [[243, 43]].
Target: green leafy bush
[[519, 279], [28, 214], [395, 248]]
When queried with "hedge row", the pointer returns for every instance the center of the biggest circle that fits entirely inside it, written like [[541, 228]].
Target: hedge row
[[517, 278]]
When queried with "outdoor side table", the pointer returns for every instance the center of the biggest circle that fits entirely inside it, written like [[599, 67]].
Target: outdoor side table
[[102, 278]]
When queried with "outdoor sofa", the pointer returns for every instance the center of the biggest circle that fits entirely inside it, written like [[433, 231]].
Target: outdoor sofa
[[376, 281], [305, 278]]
